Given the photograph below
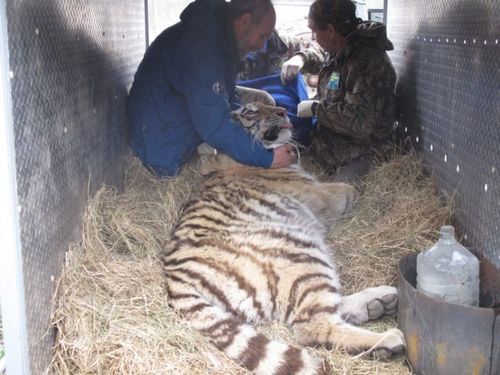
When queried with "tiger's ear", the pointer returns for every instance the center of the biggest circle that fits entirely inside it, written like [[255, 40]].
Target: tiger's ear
[[235, 116]]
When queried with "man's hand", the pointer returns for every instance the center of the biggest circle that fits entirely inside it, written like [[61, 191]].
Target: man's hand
[[291, 68], [283, 156], [307, 108]]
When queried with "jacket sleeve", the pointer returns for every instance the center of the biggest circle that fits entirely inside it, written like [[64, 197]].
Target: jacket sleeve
[[355, 111], [311, 51], [314, 57], [204, 87]]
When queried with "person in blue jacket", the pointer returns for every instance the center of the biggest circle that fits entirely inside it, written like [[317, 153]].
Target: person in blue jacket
[[184, 89]]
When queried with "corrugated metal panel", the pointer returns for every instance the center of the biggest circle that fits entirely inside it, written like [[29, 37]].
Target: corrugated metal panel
[[71, 65], [447, 59]]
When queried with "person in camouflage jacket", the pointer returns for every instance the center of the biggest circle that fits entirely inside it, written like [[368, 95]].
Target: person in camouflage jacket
[[279, 48], [262, 74], [356, 101]]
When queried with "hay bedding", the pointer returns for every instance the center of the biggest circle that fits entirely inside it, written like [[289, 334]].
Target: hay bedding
[[111, 312]]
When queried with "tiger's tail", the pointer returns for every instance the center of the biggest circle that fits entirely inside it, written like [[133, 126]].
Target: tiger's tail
[[239, 340]]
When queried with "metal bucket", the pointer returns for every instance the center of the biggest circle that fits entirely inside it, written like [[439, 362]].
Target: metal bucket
[[444, 338]]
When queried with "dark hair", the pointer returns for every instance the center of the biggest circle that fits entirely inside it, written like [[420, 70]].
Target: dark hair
[[339, 13], [257, 8]]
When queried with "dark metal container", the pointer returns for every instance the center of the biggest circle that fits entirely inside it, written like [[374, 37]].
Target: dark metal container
[[444, 338]]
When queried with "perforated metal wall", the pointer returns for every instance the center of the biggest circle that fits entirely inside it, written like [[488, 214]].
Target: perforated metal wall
[[447, 59], [71, 63]]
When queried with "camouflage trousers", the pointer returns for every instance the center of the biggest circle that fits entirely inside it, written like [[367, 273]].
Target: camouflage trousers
[[333, 150]]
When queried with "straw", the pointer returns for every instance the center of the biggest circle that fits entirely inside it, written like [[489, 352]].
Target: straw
[[111, 313]]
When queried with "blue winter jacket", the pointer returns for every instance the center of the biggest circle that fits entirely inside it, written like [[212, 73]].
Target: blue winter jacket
[[183, 92]]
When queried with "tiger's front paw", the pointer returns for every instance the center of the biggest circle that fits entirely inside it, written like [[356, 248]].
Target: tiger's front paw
[[369, 304], [384, 305]]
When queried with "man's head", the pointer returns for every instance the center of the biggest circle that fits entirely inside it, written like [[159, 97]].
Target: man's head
[[253, 22], [331, 21]]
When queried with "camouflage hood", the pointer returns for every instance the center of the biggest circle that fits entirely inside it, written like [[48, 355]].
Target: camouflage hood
[[368, 33]]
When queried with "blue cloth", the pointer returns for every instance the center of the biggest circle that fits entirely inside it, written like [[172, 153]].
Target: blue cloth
[[287, 96], [183, 91]]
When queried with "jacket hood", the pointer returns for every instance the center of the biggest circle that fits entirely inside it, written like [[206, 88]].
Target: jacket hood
[[205, 16], [210, 20], [371, 33]]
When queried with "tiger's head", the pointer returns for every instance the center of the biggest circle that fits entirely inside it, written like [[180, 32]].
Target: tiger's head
[[268, 124]]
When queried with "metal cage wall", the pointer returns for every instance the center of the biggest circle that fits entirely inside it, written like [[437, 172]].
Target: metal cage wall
[[447, 59], [71, 63]]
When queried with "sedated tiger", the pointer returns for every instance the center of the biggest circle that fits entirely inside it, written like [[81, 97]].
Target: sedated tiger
[[250, 247]]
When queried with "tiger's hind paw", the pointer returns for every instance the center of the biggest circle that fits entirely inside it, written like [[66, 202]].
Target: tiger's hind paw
[[391, 345]]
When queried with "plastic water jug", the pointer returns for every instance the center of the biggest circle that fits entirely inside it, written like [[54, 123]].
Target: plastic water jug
[[447, 270]]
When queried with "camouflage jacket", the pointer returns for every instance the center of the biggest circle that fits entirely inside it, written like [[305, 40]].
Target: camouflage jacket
[[278, 49], [356, 112]]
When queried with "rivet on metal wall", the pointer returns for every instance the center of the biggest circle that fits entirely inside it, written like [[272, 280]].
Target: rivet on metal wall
[[65, 130], [37, 31], [445, 158], [11, 74], [493, 169], [458, 168], [416, 139], [431, 148], [19, 208], [485, 188]]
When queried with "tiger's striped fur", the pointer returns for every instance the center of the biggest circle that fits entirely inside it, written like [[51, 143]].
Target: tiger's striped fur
[[250, 247]]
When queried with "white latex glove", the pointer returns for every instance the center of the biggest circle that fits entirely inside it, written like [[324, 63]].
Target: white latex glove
[[291, 68], [304, 108]]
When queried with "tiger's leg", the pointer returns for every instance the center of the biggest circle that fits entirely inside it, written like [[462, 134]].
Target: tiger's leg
[[328, 201], [316, 321], [239, 340], [369, 304]]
